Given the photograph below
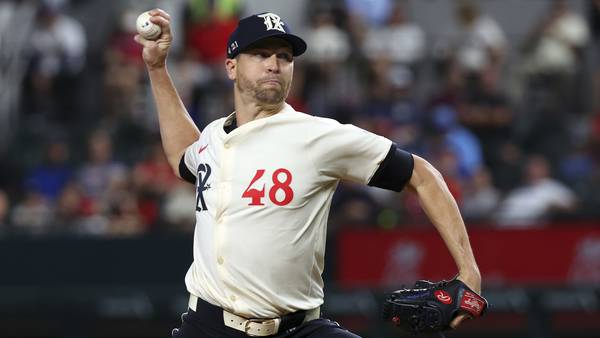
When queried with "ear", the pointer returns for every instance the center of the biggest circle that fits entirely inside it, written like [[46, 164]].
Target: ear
[[230, 65]]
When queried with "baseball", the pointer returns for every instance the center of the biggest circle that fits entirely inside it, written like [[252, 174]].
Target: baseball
[[147, 29]]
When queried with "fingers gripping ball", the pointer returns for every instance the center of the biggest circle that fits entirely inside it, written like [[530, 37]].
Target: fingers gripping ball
[[146, 28]]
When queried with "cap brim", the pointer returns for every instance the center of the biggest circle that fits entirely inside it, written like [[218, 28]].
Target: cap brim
[[298, 45]]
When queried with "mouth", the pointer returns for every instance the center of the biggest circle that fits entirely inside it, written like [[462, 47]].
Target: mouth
[[271, 82]]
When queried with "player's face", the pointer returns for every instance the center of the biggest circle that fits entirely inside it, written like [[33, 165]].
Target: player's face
[[264, 71]]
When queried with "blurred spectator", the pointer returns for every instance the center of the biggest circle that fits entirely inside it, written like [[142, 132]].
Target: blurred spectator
[[177, 205], [123, 215], [72, 207], [539, 200], [354, 206], [121, 38], [123, 70], [481, 44], [153, 178], [58, 46], [481, 198], [208, 26], [327, 42], [331, 85], [391, 105], [101, 172], [506, 171], [200, 71], [452, 86], [191, 77], [458, 139], [109, 204], [123, 89], [486, 112], [554, 46], [553, 53], [33, 215], [154, 174], [17, 20], [50, 177], [400, 40], [577, 165], [126, 87], [403, 114]]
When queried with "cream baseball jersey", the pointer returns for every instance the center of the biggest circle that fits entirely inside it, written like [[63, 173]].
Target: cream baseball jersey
[[263, 196]]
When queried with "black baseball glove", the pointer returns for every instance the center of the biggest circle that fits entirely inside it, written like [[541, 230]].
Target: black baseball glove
[[431, 307]]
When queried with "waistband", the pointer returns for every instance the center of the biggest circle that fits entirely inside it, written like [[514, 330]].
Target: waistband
[[254, 327]]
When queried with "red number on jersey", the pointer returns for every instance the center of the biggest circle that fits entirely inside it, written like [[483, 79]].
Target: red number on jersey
[[255, 194], [285, 186]]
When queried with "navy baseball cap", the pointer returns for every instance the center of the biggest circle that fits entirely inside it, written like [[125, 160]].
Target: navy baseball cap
[[260, 26]]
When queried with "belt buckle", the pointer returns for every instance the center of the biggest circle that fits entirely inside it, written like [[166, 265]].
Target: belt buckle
[[266, 331]]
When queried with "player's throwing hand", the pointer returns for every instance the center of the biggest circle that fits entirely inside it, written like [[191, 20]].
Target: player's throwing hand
[[155, 52]]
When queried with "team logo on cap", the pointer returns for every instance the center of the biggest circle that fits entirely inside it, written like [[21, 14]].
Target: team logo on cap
[[272, 21], [234, 45]]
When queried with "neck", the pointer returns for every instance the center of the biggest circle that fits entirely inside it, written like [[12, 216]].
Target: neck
[[250, 110]]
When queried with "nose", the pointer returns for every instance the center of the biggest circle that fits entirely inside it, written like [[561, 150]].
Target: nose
[[272, 64]]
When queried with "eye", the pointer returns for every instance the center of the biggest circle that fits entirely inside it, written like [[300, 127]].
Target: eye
[[285, 56]]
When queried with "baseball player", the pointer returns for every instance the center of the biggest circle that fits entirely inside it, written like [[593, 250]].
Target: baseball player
[[265, 175]]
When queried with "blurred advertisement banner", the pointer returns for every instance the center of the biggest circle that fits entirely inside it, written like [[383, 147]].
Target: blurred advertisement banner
[[557, 256]]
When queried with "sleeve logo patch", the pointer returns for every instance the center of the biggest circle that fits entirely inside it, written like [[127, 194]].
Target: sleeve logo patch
[[443, 296]]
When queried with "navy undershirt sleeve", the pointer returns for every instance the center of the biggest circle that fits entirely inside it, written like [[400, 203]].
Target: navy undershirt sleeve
[[394, 171], [184, 172]]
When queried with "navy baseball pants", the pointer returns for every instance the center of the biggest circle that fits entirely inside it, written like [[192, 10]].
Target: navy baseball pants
[[207, 322]]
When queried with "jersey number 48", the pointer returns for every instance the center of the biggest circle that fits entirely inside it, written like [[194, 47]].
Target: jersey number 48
[[279, 184]]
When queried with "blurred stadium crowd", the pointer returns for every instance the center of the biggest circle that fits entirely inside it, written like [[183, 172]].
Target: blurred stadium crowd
[[513, 127]]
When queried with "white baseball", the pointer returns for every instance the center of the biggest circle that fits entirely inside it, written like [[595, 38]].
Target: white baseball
[[147, 29]]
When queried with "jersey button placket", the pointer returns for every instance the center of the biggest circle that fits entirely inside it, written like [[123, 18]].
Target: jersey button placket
[[222, 204]]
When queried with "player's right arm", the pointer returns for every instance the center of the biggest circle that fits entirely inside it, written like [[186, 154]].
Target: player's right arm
[[177, 130]]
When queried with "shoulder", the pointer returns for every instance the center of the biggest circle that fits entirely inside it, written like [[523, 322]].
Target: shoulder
[[316, 127]]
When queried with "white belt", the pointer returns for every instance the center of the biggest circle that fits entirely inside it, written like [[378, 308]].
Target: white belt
[[252, 326]]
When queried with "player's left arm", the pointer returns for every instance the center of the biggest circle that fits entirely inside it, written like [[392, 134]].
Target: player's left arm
[[442, 210], [342, 151], [400, 169]]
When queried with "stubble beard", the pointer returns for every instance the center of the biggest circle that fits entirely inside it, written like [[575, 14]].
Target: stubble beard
[[264, 96]]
